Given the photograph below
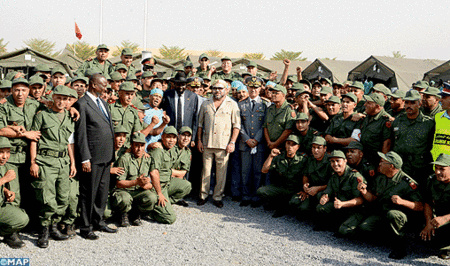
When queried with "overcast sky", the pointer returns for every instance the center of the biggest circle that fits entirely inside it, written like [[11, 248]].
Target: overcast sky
[[348, 30]]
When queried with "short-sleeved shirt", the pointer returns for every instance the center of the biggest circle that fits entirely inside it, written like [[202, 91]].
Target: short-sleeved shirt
[[3, 169], [127, 117], [288, 172], [133, 168], [318, 172], [344, 187], [278, 120], [183, 159], [106, 68], [374, 131], [149, 113], [201, 73], [342, 128], [163, 162], [306, 140], [437, 195]]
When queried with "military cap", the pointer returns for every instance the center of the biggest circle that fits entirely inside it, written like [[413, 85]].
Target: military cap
[[347, 82], [185, 129], [20, 81], [84, 79], [393, 158], [317, 82], [10, 75], [148, 74], [220, 83], [337, 84], [188, 63], [36, 79], [92, 71], [140, 106], [432, 91], [115, 76], [301, 91], [73, 93], [442, 160], [120, 129], [179, 68], [58, 70], [398, 94], [225, 58], [138, 137], [157, 91], [149, 61], [4, 143], [337, 154], [252, 64], [421, 84], [445, 90], [131, 77], [376, 98], [293, 138], [126, 86], [5, 84], [279, 88], [304, 81], [62, 90], [355, 145], [326, 90], [412, 95], [296, 86], [293, 79], [121, 66], [102, 46], [254, 81], [319, 141], [42, 68], [229, 79], [68, 80], [194, 81], [351, 96], [127, 51], [301, 116], [327, 80], [357, 84], [203, 56], [334, 99], [170, 130], [382, 88]]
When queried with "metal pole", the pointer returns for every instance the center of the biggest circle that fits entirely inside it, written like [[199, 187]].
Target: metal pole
[[101, 22], [145, 23]]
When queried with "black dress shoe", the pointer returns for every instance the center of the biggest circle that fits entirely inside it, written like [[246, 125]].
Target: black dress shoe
[[107, 229], [13, 241], [245, 203], [444, 254], [182, 203], [201, 202], [89, 235], [218, 203]]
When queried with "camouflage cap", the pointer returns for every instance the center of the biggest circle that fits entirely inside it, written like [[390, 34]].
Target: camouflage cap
[[102, 46], [20, 81], [393, 158], [432, 91], [317, 82], [351, 96], [319, 141], [170, 130], [5, 84], [203, 56], [421, 84], [382, 88], [62, 90], [293, 138], [58, 70], [355, 145], [185, 129], [138, 137], [442, 160], [4, 143], [127, 51], [334, 99], [121, 66], [120, 129], [357, 84], [36, 79], [412, 95], [376, 98], [279, 88], [326, 90], [337, 154], [116, 76], [126, 86], [398, 94], [42, 68]]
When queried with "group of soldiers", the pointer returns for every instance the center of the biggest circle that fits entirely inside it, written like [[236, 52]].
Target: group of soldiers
[[363, 161]]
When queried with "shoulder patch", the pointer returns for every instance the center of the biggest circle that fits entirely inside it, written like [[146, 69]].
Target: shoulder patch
[[372, 173], [388, 124], [111, 101]]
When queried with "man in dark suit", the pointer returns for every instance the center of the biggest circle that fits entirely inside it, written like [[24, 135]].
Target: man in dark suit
[[94, 140]]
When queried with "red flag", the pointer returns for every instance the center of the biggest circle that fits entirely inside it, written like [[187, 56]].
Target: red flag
[[78, 32]]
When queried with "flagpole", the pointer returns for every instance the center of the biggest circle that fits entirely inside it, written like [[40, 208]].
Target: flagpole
[[145, 24], [101, 22]]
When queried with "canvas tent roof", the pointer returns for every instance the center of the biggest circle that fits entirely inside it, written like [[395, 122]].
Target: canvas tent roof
[[335, 70], [26, 59], [393, 72], [70, 59], [441, 72]]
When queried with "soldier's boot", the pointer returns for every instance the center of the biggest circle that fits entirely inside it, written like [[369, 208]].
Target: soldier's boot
[[13, 241], [124, 222], [56, 234], [70, 230], [137, 220], [43, 237]]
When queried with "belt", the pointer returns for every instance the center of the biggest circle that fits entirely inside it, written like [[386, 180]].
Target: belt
[[17, 149], [52, 153]]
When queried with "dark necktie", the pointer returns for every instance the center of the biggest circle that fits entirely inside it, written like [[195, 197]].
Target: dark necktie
[[101, 109], [179, 112], [253, 105]]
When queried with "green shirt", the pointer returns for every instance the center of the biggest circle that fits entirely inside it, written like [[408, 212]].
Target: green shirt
[[201, 73], [278, 120], [306, 140], [130, 71], [432, 113], [288, 172], [395, 114], [106, 69], [344, 187], [360, 108], [318, 172], [183, 159], [3, 169], [133, 168], [163, 162], [437, 195], [374, 131], [221, 75], [127, 117]]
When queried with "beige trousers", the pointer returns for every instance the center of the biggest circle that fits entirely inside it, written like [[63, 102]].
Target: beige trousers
[[221, 157]]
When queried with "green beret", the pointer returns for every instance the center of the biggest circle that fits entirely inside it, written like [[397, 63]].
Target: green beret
[[36, 79], [120, 129], [319, 141], [355, 145], [351, 96], [185, 129], [121, 66], [294, 138], [170, 130], [337, 154], [334, 99], [126, 86], [20, 81], [382, 88], [442, 160], [412, 95], [42, 68], [127, 51], [58, 70], [301, 116], [62, 90], [376, 98], [357, 84], [279, 88], [138, 137], [398, 94], [115, 76], [326, 90], [432, 91], [393, 158], [5, 84], [102, 46], [4, 143]]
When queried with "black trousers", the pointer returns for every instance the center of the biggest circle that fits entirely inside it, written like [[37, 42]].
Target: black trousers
[[94, 188]]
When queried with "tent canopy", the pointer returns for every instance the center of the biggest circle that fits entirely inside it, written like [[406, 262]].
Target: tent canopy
[[26, 59], [70, 59], [335, 70], [392, 72], [439, 73]]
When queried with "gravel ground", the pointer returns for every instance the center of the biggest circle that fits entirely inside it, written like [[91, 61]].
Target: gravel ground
[[210, 236]]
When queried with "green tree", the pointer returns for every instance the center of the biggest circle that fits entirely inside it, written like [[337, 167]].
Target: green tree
[[254, 56], [3, 49], [126, 44], [172, 52], [283, 54], [43, 46], [397, 54], [82, 50], [214, 53]]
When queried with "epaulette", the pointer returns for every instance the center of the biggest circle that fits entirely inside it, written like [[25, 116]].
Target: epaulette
[[412, 183]]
